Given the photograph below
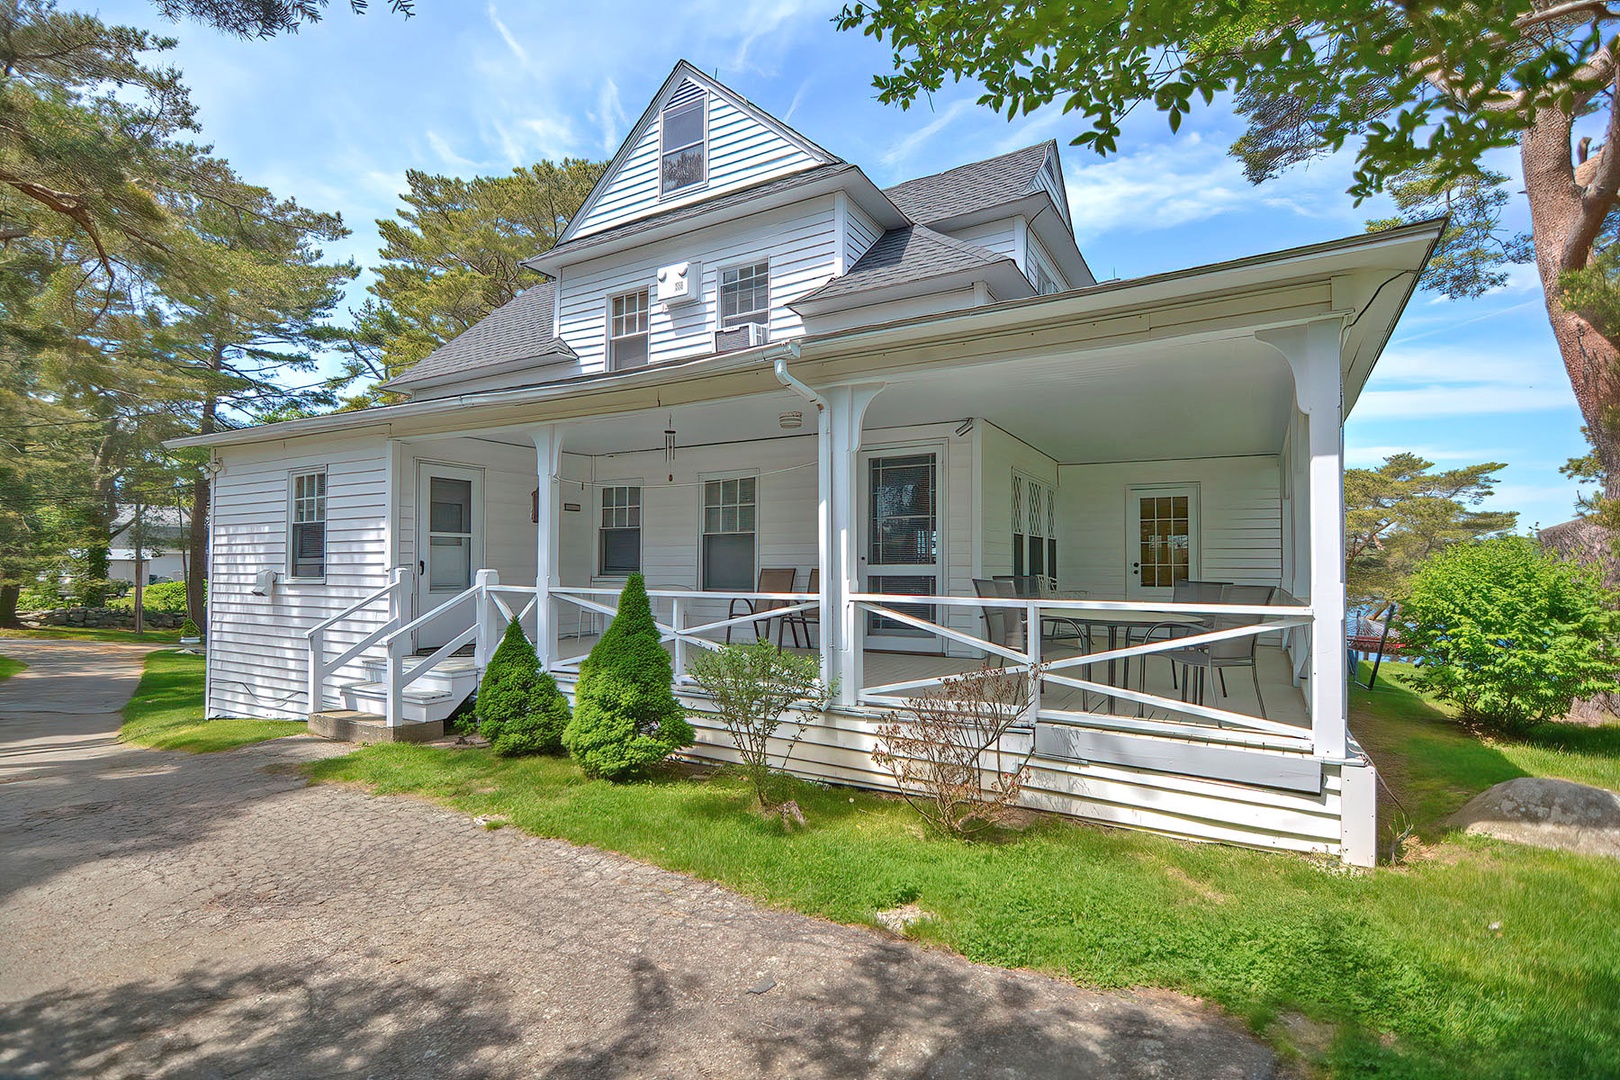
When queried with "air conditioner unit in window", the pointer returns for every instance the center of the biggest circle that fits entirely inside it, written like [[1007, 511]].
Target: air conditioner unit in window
[[742, 336], [680, 283]]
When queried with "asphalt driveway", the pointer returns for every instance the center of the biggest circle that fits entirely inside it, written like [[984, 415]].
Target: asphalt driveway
[[166, 914]]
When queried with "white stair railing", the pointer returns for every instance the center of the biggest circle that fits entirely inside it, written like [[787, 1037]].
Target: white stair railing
[[321, 667]]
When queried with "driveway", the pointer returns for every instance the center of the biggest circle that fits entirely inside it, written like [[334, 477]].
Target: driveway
[[173, 915]]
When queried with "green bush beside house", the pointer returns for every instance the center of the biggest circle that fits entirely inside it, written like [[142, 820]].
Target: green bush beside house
[[519, 708]]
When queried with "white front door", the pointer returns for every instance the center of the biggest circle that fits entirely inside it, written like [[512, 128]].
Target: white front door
[[900, 548], [449, 541], [1161, 539]]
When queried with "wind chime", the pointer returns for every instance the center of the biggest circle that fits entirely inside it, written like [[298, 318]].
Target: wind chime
[[669, 447]]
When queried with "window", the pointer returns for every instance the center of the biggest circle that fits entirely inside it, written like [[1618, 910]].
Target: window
[[308, 540], [1034, 529], [745, 295], [619, 541], [728, 534], [627, 331], [681, 145], [1043, 282]]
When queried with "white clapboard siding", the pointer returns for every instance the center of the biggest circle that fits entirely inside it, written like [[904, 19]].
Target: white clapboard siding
[[800, 241], [509, 534], [1239, 506], [1036, 257], [256, 648], [863, 232], [1051, 181], [999, 236], [742, 151], [1002, 454]]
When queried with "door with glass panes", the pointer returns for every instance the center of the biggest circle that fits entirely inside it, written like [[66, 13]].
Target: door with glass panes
[[1161, 540], [449, 542], [900, 551]]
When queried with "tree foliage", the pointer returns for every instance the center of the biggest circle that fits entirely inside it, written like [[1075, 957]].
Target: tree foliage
[[626, 716], [453, 254], [1402, 512], [519, 708], [1509, 633], [750, 687], [264, 18]]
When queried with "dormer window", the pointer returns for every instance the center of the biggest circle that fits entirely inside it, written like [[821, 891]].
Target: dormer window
[[682, 145], [745, 295], [627, 331]]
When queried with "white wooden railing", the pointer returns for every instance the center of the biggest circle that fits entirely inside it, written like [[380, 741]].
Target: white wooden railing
[[1065, 671], [603, 601], [321, 666]]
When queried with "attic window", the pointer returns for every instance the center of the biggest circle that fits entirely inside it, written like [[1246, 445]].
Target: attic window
[[682, 145]]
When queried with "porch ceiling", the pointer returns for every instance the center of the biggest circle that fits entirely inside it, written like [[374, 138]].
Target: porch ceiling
[[730, 420], [1215, 399]]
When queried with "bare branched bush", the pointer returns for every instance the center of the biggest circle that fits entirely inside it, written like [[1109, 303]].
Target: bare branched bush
[[943, 749], [750, 687]]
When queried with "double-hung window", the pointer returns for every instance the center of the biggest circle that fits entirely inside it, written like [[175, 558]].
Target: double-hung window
[[745, 295], [681, 147], [627, 331], [307, 542], [729, 523], [619, 541]]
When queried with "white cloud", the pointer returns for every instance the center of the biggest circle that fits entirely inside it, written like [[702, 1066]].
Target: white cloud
[[609, 115], [909, 145], [1416, 403], [446, 154], [506, 35], [1364, 457]]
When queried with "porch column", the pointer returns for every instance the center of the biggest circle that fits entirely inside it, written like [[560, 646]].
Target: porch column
[[548, 463], [1314, 355], [840, 445]]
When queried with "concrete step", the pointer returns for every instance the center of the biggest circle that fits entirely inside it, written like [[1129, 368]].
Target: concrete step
[[418, 704], [348, 725]]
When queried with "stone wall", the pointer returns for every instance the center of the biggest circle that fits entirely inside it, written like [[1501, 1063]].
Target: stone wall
[[98, 618]]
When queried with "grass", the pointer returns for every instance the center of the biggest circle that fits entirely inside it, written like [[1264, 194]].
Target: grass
[[166, 712], [10, 667], [67, 633]]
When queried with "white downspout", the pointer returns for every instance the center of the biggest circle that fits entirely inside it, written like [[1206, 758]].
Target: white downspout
[[779, 354]]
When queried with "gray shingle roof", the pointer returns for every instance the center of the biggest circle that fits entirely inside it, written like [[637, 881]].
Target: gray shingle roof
[[901, 256], [971, 187], [519, 329], [748, 194]]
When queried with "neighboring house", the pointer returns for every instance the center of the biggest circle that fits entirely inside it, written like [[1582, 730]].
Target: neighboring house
[[750, 358], [158, 564]]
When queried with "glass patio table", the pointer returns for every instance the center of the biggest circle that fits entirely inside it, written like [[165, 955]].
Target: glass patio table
[[1127, 621]]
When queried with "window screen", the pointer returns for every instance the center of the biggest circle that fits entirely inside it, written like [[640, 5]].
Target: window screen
[[745, 295], [681, 145], [729, 523], [308, 540], [627, 331], [619, 540]]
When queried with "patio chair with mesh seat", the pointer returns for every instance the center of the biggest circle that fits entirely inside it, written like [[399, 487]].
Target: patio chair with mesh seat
[[777, 580]]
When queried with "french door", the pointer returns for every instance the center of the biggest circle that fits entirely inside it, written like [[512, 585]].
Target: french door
[[900, 549], [1161, 539], [449, 541]]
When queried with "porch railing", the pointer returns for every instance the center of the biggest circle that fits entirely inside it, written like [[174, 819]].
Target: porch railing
[[1192, 719], [682, 604], [322, 666]]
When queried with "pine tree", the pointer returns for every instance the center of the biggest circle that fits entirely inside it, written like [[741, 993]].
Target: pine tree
[[519, 708], [625, 715]]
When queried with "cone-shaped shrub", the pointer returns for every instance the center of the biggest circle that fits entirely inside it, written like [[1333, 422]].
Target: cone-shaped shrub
[[519, 708], [625, 712]]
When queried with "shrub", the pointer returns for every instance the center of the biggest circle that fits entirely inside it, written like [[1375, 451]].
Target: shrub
[[519, 708], [1508, 632], [752, 686], [165, 598], [625, 713], [189, 629], [943, 749]]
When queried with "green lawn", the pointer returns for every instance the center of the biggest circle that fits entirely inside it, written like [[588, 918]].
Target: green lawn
[[66, 633], [10, 667], [1401, 961], [166, 712]]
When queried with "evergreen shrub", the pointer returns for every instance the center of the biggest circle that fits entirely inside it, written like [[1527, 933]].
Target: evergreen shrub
[[519, 708]]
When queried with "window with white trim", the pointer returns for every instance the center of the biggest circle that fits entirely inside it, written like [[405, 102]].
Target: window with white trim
[[619, 539], [730, 518], [681, 145], [627, 330], [745, 295], [307, 539]]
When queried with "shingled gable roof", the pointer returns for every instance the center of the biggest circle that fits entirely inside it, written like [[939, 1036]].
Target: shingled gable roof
[[902, 256], [519, 329], [978, 185]]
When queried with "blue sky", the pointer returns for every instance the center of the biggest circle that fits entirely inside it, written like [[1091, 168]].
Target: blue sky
[[336, 114]]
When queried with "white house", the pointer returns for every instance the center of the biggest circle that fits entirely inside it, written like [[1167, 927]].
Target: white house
[[750, 359]]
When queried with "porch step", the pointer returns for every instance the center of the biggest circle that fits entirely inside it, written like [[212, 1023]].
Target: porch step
[[454, 675], [348, 725], [417, 704]]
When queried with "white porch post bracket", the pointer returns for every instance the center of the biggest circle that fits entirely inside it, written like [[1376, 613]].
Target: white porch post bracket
[[841, 637], [548, 442], [488, 633], [1313, 352]]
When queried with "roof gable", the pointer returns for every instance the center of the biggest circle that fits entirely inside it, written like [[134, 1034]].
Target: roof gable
[[978, 185], [745, 146], [520, 329]]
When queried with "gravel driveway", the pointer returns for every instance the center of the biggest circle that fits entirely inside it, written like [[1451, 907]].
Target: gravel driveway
[[166, 914]]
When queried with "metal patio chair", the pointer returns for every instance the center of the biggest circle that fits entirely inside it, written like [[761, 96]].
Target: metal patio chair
[[770, 581]]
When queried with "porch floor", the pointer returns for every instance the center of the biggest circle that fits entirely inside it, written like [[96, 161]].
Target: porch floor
[[1285, 703]]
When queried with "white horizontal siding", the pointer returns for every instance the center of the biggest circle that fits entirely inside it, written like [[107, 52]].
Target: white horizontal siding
[[801, 243], [1239, 506], [1036, 256], [863, 233], [1001, 454], [742, 152], [258, 657], [1000, 236], [510, 537]]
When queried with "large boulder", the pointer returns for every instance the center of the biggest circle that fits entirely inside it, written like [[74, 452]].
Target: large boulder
[[1547, 813]]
